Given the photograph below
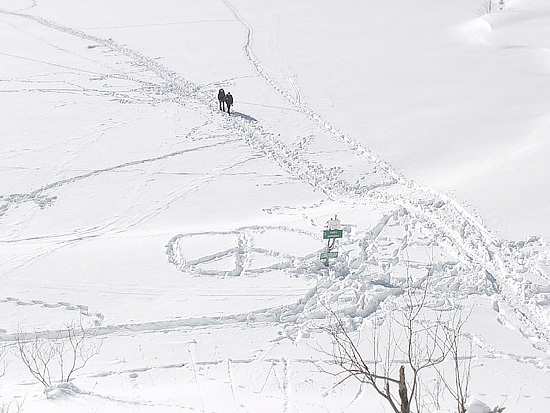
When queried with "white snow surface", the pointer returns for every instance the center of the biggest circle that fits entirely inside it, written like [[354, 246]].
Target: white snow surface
[[189, 240]]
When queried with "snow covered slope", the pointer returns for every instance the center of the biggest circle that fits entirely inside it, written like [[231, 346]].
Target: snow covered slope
[[450, 99], [189, 240]]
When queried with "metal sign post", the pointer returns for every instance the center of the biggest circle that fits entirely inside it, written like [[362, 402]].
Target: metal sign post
[[331, 234]]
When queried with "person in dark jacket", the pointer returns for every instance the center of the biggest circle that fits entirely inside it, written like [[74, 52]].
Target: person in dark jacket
[[221, 98], [229, 102]]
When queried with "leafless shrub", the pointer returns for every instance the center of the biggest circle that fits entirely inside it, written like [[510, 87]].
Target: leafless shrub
[[412, 344], [3, 361], [460, 352], [485, 8], [56, 357], [15, 406]]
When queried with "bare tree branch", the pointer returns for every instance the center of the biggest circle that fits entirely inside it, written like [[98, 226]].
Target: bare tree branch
[[415, 343], [70, 348]]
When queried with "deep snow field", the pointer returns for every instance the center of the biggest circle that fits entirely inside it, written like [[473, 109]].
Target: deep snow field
[[188, 240]]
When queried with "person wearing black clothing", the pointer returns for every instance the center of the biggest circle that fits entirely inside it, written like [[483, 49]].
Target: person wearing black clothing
[[229, 102], [221, 98]]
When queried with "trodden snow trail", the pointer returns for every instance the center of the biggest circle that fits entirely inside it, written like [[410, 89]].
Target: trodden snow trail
[[451, 219], [443, 219]]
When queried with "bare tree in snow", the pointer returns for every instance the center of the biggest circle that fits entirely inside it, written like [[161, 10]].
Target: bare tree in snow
[[486, 7], [460, 352], [3, 361], [51, 358], [411, 345], [14, 406]]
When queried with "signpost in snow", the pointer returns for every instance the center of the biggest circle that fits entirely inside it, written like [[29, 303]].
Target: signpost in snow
[[331, 234]]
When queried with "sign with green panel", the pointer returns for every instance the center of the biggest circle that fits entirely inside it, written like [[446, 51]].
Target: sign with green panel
[[332, 233], [327, 255]]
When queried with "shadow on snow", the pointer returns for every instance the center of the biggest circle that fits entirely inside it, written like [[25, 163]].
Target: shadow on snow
[[245, 117]]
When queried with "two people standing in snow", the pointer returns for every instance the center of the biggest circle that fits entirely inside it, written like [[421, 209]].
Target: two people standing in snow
[[225, 100]]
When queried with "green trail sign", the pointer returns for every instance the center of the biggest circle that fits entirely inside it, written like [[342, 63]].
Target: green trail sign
[[327, 255], [332, 233]]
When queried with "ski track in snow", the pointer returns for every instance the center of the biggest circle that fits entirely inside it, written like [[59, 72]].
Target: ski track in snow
[[487, 263], [39, 197]]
